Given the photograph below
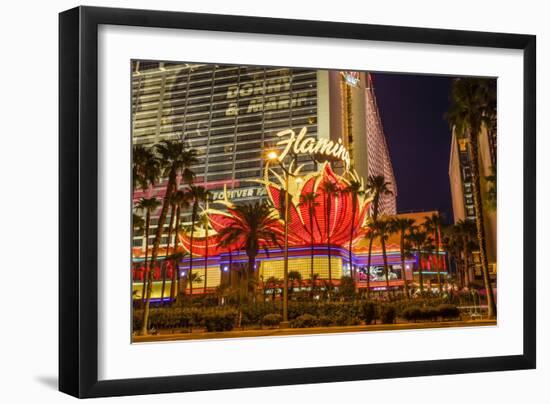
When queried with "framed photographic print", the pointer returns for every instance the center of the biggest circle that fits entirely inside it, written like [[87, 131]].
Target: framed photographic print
[[236, 187]]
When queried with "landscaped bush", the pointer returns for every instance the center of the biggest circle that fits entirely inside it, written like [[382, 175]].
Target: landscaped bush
[[368, 312], [326, 321], [343, 319], [220, 320], [448, 311], [387, 314], [304, 321], [429, 313], [272, 320], [412, 313]]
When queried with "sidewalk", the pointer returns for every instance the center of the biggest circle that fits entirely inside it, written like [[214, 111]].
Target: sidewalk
[[168, 336]]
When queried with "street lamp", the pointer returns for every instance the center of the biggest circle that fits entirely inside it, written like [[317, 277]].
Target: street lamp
[[274, 156]]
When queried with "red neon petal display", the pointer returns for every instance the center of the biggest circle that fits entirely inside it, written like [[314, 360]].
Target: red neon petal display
[[303, 229]]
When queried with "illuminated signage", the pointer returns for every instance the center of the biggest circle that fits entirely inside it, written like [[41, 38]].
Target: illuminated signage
[[351, 78], [266, 97], [239, 193], [299, 144]]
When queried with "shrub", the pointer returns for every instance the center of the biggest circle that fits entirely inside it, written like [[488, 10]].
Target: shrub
[[429, 313], [448, 311], [387, 314], [219, 320], [272, 320], [304, 321], [412, 313], [344, 319], [325, 321], [368, 312]]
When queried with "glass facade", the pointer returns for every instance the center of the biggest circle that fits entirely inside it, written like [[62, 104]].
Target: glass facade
[[229, 114]]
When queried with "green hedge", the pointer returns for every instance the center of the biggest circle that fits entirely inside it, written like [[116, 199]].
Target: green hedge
[[325, 314], [272, 320], [304, 321]]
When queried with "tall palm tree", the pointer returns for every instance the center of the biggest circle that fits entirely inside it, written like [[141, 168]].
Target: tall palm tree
[[403, 226], [473, 105], [308, 200], [467, 231], [206, 224], [147, 205], [175, 160], [432, 224], [377, 186], [354, 189], [180, 200], [196, 195], [250, 228], [419, 239], [146, 167], [382, 230], [329, 189]]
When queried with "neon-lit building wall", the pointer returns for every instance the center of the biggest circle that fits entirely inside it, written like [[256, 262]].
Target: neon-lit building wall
[[231, 114]]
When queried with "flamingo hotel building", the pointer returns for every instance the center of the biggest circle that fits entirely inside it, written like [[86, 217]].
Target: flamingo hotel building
[[231, 115]]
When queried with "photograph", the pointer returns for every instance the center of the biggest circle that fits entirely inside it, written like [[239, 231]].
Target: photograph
[[273, 201]]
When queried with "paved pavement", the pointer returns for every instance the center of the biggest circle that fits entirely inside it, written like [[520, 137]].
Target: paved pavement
[[270, 332]]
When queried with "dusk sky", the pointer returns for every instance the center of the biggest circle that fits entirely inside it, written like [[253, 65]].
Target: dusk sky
[[412, 109]]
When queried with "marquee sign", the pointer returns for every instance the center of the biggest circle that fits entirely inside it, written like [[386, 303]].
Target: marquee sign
[[299, 144]]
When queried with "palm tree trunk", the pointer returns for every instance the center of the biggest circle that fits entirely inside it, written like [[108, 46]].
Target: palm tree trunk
[[492, 309], [205, 258], [190, 271], [352, 272], [145, 268], [162, 218], [386, 269], [165, 267], [311, 247], [437, 240], [328, 239], [175, 269], [368, 264], [404, 273], [420, 274]]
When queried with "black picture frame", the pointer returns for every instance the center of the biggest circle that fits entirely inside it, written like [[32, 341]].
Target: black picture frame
[[78, 201]]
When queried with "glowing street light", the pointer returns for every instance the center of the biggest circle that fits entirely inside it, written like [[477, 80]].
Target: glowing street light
[[272, 155]]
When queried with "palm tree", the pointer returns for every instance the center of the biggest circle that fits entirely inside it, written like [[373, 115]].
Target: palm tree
[[206, 224], [308, 200], [355, 190], [432, 224], [272, 283], [294, 277], [403, 226], [175, 159], [473, 105], [419, 240], [251, 227], [382, 229], [377, 186], [181, 200], [197, 195], [466, 230], [147, 205], [329, 189], [145, 167]]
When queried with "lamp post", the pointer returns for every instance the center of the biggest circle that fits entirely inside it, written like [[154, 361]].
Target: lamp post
[[274, 156]]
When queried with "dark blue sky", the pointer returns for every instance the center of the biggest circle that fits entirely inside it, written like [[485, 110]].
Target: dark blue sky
[[412, 109]]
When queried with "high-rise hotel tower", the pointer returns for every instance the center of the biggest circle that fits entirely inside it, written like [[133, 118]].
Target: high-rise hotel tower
[[231, 115]]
